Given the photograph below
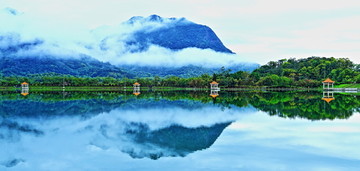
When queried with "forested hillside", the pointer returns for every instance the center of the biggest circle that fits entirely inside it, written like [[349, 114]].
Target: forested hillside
[[308, 72]]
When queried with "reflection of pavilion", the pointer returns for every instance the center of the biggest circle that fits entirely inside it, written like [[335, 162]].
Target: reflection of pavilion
[[25, 91], [24, 88], [136, 91], [328, 96], [214, 89], [214, 86], [214, 93]]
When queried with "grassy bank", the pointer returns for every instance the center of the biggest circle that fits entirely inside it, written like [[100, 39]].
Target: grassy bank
[[347, 86]]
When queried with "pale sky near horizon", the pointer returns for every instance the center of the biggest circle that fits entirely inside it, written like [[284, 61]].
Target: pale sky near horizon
[[257, 30]]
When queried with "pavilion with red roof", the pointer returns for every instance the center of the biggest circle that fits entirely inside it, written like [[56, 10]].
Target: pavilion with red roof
[[327, 83], [214, 85]]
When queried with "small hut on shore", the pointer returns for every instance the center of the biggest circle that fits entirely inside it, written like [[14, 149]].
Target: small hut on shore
[[24, 85], [136, 85], [214, 86], [327, 83]]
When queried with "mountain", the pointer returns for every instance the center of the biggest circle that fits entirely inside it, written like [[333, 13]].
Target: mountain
[[20, 58], [174, 34], [124, 51], [184, 71], [84, 66]]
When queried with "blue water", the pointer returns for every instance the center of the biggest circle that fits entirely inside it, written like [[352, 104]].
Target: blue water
[[168, 134]]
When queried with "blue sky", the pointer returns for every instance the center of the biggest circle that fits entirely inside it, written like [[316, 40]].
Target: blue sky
[[257, 30]]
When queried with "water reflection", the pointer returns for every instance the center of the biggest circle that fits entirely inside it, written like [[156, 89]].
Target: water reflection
[[328, 96], [285, 104], [171, 141], [150, 126]]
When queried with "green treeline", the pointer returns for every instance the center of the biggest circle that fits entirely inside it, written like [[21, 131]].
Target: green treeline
[[308, 72]]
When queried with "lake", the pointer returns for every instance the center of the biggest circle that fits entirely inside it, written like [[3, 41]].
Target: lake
[[179, 130]]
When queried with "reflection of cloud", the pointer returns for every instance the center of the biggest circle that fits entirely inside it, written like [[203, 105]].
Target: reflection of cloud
[[77, 143], [302, 135], [12, 162], [12, 131]]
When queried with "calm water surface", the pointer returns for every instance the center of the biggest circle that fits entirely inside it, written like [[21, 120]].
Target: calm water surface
[[179, 131]]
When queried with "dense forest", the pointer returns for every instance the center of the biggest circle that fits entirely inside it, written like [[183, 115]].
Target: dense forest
[[308, 72]]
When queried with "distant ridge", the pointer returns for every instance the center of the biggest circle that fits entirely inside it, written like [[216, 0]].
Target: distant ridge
[[174, 34], [21, 56]]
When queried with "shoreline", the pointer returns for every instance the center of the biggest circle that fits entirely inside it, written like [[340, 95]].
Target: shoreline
[[112, 88], [128, 89]]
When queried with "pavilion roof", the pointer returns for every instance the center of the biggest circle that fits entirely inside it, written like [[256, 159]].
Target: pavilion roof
[[24, 83], [136, 83], [213, 95], [214, 82], [328, 80]]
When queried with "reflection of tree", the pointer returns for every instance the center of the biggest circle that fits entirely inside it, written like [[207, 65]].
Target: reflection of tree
[[284, 104], [92, 103], [304, 105]]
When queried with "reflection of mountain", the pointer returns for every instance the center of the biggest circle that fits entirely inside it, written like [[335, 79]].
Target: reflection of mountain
[[85, 104], [145, 127], [49, 109], [151, 125], [11, 162], [171, 141]]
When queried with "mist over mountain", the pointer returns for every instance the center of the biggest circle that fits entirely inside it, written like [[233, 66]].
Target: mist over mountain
[[147, 45], [184, 71], [175, 34]]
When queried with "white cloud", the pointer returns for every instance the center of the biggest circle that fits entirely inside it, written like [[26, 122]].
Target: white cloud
[[241, 24], [108, 44]]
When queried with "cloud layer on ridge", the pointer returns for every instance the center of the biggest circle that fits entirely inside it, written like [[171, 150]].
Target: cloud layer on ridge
[[106, 43]]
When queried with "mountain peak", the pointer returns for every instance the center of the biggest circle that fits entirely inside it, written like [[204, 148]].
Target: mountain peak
[[172, 33], [156, 19]]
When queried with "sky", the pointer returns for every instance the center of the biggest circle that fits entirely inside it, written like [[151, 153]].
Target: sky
[[257, 30]]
